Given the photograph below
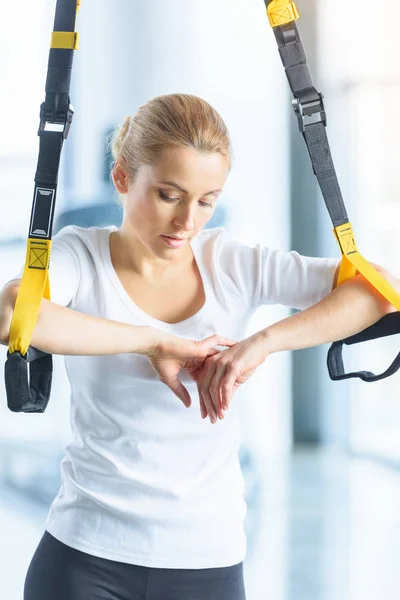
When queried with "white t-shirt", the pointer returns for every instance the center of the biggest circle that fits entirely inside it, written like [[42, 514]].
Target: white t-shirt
[[146, 480]]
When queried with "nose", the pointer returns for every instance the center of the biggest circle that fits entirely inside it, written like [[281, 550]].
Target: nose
[[185, 217]]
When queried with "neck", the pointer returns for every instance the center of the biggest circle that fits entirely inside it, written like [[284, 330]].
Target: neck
[[128, 253]]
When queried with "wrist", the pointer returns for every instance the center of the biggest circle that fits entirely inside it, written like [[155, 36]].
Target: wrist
[[146, 340], [264, 339]]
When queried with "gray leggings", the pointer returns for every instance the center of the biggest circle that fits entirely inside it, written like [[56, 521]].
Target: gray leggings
[[59, 572]]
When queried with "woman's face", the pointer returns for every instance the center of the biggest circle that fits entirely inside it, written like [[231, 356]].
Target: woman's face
[[175, 197]]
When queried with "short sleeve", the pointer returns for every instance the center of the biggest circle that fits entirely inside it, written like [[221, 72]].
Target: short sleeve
[[64, 268], [294, 280], [260, 275]]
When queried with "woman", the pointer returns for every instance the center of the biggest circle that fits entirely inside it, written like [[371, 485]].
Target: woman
[[151, 503]]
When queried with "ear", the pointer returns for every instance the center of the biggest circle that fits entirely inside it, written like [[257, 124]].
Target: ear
[[120, 178]]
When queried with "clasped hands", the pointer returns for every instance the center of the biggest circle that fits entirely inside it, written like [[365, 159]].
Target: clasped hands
[[217, 373]]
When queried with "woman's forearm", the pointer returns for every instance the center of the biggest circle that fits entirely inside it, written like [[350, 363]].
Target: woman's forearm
[[347, 310], [60, 330]]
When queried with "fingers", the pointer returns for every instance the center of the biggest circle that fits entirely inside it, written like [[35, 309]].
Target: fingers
[[208, 344], [179, 390], [212, 352], [227, 386], [208, 389], [226, 342], [202, 386], [206, 405], [217, 385], [215, 388], [203, 408]]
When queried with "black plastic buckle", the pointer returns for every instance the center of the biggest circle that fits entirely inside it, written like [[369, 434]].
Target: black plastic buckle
[[309, 113], [60, 121]]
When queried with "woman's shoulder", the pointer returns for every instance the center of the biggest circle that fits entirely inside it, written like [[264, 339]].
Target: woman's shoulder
[[211, 236], [86, 239], [85, 234], [222, 244]]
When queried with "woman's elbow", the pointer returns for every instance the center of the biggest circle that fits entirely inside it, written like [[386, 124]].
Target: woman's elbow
[[387, 307]]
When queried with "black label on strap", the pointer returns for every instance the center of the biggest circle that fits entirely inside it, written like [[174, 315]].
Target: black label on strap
[[43, 206]]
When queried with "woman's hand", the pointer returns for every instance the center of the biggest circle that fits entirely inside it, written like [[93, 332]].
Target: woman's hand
[[171, 354], [222, 374]]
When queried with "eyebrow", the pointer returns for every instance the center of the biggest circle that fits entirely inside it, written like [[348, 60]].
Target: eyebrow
[[178, 187]]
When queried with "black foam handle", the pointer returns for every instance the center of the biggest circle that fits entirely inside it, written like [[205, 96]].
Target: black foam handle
[[388, 325], [28, 380]]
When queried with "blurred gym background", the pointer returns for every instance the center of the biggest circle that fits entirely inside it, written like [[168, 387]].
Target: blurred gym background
[[320, 459]]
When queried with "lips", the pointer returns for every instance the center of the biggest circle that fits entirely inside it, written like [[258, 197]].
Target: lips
[[180, 239], [174, 242]]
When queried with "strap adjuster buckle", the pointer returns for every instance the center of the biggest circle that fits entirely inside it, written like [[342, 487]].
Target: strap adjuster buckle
[[309, 113], [60, 123]]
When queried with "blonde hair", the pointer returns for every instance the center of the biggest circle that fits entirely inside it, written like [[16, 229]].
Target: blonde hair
[[169, 121]]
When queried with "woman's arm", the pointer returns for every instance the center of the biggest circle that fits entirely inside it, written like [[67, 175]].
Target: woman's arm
[[61, 330], [347, 310]]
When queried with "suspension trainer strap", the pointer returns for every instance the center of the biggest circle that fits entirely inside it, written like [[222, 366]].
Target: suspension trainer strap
[[30, 392], [310, 111]]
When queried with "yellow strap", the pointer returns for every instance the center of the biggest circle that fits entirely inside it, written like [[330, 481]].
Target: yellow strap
[[281, 12], [353, 261], [347, 271], [34, 286], [68, 40]]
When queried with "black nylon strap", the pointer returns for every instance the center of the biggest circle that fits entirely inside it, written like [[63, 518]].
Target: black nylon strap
[[310, 111], [59, 69], [46, 179], [59, 72], [64, 19], [324, 170], [50, 146], [310, 102]]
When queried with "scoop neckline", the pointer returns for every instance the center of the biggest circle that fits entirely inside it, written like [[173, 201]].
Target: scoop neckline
[[186, 324]]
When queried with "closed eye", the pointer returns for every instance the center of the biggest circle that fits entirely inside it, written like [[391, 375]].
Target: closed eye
[[164, 197], [171, 199]]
